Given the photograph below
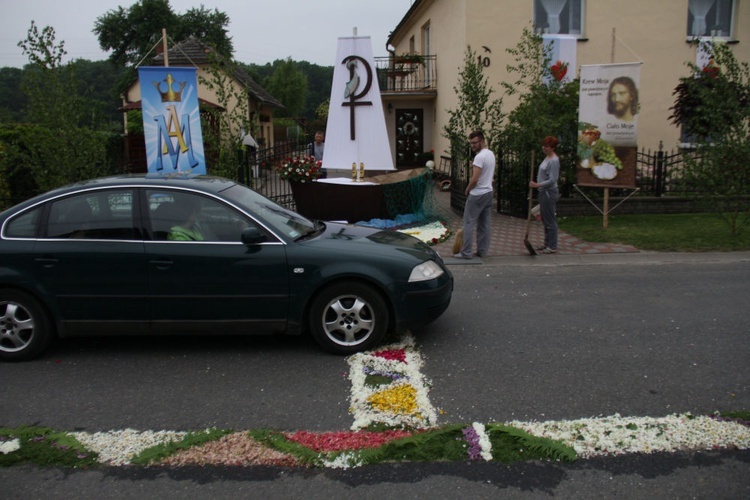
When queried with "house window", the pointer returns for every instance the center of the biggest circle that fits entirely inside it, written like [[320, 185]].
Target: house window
[[558, 16], [710, 18]]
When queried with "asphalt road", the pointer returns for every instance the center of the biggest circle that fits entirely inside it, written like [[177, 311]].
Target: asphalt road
[[525, 338]]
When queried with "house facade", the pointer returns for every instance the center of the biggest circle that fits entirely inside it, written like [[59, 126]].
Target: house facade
[[656, 34]]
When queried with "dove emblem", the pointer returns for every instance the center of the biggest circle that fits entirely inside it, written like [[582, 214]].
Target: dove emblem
[[353, 83]]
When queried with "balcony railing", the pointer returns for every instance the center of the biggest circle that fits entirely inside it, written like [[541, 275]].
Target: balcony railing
[[396, 75]]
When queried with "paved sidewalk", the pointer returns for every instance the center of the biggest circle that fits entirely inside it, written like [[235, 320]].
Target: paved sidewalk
[[508, 233]]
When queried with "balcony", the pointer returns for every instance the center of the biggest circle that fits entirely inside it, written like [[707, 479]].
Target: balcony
[[399, 75]]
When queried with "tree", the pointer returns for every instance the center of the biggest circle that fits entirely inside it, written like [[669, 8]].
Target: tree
[[12, 98], [50, 86], [53, 149], [288, 85], [133, 32], [713, 105], [547, 106], [476, 110], [226, 128]]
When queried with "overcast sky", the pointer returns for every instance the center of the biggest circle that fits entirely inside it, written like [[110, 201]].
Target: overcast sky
[[261, 30]]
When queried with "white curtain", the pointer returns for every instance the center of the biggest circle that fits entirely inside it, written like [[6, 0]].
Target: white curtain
[[554, 8], [699, 9]]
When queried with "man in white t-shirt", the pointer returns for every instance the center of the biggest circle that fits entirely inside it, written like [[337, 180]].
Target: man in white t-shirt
[[478, 208]]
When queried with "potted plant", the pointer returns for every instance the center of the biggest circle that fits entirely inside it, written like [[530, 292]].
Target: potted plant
[[409, 58], [300, 169]]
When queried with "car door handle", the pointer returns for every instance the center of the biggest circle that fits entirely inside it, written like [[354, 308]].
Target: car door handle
[[162, 263], [47, 261]]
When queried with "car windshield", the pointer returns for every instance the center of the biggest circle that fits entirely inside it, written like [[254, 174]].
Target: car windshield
[[281, 219]]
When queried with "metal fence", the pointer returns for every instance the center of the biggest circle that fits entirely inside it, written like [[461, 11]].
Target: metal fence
[[259, 170], [658, 173]]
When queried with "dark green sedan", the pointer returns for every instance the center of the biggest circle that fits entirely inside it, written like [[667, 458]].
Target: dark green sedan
[[153, 255]]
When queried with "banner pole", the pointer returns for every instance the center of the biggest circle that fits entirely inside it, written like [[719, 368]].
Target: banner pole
[[164, 44]]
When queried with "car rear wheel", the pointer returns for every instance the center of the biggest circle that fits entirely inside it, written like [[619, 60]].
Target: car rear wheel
[[24, 326], [348, 317]]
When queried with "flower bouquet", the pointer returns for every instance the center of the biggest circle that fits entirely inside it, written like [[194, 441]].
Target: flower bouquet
[[300, 169]]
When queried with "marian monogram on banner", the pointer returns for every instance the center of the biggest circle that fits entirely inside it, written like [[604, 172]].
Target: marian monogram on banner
[[171, 120]]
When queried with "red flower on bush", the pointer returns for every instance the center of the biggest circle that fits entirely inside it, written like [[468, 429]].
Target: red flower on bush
[[559, 70], [300, 169]]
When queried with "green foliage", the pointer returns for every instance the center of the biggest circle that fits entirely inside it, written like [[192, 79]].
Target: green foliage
[[513, 445], [131, 33], [713, 104], [319, 81], [736, 415], [223, 133], [12, 98], [50, 86], [38, 158], [446, 443], [476, 110], [277, 441], [45, 447], [663, 233], [135, 122], [289, 85], [157, 453], [55, 148], [546, 107]]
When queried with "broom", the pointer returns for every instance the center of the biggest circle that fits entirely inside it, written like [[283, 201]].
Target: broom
[[458, 243], [526, 242]]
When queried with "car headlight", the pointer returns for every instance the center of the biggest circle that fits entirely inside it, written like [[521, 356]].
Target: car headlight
[[427, 270]]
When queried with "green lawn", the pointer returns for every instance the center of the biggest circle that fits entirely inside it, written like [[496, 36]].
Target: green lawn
[[664, 233]]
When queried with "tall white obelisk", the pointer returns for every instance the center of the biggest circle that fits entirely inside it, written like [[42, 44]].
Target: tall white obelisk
[[355, 132]]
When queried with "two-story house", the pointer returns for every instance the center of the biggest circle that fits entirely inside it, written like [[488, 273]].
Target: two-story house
[[656, 33]]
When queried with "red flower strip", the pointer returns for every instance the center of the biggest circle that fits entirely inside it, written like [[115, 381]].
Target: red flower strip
[[339, 441], [392, 354]]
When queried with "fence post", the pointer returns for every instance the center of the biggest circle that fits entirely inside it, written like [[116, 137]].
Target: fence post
[[659, 171]]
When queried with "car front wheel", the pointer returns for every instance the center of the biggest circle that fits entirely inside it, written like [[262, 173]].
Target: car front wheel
[[348, 317], [24, 326]]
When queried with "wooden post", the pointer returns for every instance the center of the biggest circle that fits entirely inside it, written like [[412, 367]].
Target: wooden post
[[605, 223], [166, 48]]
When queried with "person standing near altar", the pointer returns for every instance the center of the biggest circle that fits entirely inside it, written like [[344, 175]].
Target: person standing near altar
[[478, 208], [316, 148]]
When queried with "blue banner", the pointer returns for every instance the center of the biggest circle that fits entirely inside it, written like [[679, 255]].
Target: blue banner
[[171, 120]]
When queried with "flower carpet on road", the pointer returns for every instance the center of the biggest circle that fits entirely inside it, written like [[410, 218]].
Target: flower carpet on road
[[388, 388], [431, 233], [393, 421]]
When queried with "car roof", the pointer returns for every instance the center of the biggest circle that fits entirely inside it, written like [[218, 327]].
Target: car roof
[[208, 183], [205, 183]]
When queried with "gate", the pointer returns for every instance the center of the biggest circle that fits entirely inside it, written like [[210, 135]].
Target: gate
[[259, 170]]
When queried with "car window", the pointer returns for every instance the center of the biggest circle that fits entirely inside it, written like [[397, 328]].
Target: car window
[[183, 216], [101, 215], [24, 225], [281, 219]]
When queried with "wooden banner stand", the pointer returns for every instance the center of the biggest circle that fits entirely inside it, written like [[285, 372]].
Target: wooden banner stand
[[606, 210]]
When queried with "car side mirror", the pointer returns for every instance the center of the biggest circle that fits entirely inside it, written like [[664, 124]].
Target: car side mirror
[[252, 236]]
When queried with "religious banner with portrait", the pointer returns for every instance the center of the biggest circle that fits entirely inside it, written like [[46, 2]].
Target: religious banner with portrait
[[171, 120], [608, 125]]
